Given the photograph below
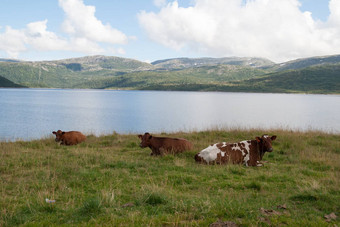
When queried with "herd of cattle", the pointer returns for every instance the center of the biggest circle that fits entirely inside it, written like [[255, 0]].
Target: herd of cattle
[[249, 152]]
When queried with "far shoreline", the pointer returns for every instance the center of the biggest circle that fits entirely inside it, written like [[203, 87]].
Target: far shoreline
[[155, 90], [188, 133]]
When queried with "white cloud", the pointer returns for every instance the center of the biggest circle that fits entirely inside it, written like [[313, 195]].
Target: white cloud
[[39, 38], [12, 42], [83, 33], [274, 29], [334, 18], [36, 36], [81, 22]]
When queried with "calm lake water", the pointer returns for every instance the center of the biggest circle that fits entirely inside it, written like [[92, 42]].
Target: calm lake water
[[34, 113]]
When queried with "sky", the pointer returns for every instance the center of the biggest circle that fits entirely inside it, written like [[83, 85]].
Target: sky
[[150, 30]]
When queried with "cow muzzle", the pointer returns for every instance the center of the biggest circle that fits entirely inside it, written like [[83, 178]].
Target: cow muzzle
[[270, 149]]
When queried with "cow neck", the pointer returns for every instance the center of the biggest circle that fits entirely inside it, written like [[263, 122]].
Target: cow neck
[[150, 143], [260, 151]]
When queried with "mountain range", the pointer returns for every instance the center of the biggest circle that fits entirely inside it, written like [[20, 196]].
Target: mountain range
[[308, 75]]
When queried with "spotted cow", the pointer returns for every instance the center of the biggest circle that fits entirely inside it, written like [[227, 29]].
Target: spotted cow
[[249, 152], [164, 145], [69, 138]]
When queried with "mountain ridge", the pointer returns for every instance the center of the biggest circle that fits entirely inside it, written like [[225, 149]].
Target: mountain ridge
[[195, 62], [177, 73]]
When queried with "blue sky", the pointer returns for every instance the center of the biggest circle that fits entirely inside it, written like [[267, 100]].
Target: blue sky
[[150, 30]]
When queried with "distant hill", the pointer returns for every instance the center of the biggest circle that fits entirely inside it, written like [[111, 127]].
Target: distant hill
[[309, 75], [8, 60], [324, 79], [307, 62], [176, 63], [7, 83], [69, 72], [152, 79], [99, 62]]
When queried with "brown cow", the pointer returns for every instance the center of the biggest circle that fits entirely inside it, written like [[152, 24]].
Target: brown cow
[[69, 138], [249, 153], [164, 145]]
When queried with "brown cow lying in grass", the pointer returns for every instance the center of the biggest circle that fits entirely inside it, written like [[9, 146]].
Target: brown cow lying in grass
[[69, 138], [249, 153], [164, 145]]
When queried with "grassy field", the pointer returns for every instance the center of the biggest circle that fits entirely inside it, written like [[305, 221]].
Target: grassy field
[[110, 180]]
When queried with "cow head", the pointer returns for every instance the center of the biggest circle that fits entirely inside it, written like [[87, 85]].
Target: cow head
[[145, 140], [265, 143], [58, 135]]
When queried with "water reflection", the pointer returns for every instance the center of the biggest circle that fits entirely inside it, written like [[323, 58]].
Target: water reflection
[[35, 113]]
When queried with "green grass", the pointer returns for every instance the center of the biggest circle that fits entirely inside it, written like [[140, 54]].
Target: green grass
[[110, 180]]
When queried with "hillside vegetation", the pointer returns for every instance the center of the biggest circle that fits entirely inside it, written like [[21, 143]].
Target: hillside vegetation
[[110, 180], [170, 80], [69, 72], [7, 83], [178, 63], [316, 79], [310, 75], [323, 79]]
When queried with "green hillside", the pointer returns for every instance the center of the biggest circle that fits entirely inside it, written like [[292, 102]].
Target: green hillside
[[69, 72], [7, 83], [310, 75], [179, 63], [39, 74], [316, 79], [99, 62], [215, 74], [307, 62]]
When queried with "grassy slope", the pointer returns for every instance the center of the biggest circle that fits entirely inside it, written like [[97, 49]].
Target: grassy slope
[[7, 83], [119, 73], [69, 72], [152, 80], [316, 79], [323, 79], [92, 183], [38, 75]]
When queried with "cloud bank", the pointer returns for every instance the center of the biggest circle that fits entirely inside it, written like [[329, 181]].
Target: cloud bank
[[83, 32], [275, 29]]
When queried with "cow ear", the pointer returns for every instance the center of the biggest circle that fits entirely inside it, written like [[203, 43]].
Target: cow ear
[[140, 136], [150, 137], [63, 133], [258, 139], [54, 132], [273, 138]]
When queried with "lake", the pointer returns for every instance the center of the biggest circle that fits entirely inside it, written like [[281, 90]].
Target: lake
[[34, 113]]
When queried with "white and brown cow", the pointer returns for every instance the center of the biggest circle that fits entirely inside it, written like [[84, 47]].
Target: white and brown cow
[[249, 152], [164, 145], [69, 138]]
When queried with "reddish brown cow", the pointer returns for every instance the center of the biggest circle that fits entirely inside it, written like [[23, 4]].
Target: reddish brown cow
[[69, 138], [249, 153], [164, 145]]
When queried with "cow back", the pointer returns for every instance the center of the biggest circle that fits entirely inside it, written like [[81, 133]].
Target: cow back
[[244, 152], [170, 145], [73, 138]]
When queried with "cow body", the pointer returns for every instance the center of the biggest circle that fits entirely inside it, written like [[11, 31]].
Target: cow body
[[69, 138], [249, 152], [164, 145]]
